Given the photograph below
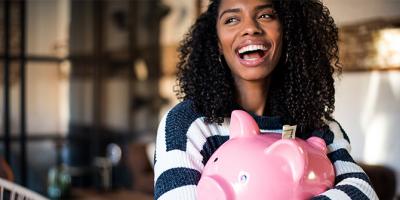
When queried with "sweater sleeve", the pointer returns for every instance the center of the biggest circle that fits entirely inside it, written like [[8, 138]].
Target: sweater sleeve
[[177, 167], [351, 181]]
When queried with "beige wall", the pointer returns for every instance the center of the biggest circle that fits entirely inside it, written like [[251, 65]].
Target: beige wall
[[47, 86], [46, 100], [350, 11], [48, 24]]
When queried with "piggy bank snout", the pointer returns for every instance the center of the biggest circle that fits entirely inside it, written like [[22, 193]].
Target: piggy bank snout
[[214, 188]]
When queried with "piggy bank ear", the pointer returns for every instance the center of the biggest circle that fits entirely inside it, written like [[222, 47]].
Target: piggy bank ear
[[291, 152], [242, 125], [318, 143]]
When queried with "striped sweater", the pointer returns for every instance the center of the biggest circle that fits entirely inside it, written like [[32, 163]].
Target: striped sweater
[[185, 143]]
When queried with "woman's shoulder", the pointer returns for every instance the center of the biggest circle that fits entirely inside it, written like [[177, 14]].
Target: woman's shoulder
[[183, 112], [182, 122], [336, 128], [176, 123], [332, 132]]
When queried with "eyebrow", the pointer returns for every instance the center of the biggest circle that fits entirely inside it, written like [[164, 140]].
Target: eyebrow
[[236, 10]]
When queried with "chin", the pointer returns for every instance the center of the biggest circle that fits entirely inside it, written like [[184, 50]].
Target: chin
[[255, 77]]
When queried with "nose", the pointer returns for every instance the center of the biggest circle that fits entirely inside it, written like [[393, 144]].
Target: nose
[[215, 188], [251, 27]]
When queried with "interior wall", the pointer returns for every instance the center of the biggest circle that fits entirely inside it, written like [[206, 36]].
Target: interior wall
[[350, 11], [47, 31], [44, 93], [117, 104], [45, 100], [367, 106], [47, 82], [368, 103]]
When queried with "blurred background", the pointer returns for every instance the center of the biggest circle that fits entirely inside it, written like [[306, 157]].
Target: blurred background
[[84, 82]]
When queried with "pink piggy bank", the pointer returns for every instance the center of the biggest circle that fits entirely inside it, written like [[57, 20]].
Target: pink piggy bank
[[251, 166]]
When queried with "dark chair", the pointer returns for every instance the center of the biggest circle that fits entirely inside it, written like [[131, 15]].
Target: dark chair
[[383, 180]]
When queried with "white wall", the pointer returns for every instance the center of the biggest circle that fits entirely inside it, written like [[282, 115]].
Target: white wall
[[368, 107], [368, 103]]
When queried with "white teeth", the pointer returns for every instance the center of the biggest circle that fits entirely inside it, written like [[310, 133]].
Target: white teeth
[[252, 48]]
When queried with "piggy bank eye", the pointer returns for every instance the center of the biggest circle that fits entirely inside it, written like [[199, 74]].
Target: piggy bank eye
[[216, 159], [243, 177]]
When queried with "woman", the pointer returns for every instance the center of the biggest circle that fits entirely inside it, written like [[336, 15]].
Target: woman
[[273, 58]]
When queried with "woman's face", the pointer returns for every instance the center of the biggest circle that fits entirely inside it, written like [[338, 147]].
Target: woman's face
[[250, 38]]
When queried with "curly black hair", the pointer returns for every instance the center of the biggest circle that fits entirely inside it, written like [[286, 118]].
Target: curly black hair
[[302, 85]]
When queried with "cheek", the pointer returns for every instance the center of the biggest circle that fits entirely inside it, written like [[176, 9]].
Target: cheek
[[220, 36], [278, 41], [274, 32], [222, 44], [279, 38], [278, 47], [225, 40], [219, 41]]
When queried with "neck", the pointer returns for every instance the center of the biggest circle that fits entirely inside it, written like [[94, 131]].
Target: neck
[[252, 95]]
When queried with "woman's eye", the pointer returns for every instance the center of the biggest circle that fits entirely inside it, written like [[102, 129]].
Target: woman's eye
[[267, 16], [231, 20]]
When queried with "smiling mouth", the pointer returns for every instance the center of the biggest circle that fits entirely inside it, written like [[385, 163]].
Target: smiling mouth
[[252, 52]]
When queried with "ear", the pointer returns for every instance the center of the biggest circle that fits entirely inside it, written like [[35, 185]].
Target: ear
[[242, 125], [292, 153], [318, 143]]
